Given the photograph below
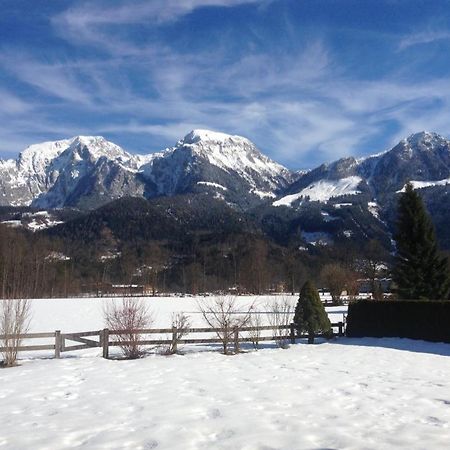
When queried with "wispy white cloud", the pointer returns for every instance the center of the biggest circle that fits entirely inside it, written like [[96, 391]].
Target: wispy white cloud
[[300, 104], [53, 79], [90, 21], [424, 37], [124, 12], [299, 117], [12, 104]]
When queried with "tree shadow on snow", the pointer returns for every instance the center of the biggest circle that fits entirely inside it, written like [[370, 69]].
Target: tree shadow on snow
[[409, 345]]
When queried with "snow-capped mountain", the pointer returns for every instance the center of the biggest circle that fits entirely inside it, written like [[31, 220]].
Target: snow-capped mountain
[[230, 167], [422, 158], [347, 199], [367, 188], [90, 171], [81, 170]]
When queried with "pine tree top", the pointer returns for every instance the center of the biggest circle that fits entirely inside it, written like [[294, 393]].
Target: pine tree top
[[420, 271]]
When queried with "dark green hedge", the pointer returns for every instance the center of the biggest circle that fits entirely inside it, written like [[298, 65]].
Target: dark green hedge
[[427, 320]]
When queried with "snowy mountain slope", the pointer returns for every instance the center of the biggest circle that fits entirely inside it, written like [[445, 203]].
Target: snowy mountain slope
[[426, 184], [229, 166], [422, 157], [368, 188], [90, 171], [87, 172], [56, 174], [324, 190]]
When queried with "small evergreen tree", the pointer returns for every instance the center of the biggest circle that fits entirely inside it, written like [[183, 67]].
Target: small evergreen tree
[[310, 314], [420, 271]]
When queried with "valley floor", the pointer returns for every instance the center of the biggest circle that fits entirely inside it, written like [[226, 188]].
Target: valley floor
[[344, 394]]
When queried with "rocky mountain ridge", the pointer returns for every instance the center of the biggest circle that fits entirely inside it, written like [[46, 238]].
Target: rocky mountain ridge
[[422, 158], [346, 199], [90, 171]]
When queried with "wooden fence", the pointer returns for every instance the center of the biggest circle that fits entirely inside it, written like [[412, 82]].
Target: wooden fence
[[64, 342]]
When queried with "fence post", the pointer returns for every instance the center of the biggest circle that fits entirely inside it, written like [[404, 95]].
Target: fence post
[[292, 327], [341, 326], [58, 344], [236, 340], [174, 339], [105, 342]]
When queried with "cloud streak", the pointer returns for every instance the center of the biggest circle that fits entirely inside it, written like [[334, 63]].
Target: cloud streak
[[424, 37], [301, 103]]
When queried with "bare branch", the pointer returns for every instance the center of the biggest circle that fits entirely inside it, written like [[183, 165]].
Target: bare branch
[[222, 313], [180, 326], [14, 321], [280, 314], [127, 317]]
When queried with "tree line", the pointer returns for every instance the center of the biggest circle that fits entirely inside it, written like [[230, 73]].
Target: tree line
[[222, 254]]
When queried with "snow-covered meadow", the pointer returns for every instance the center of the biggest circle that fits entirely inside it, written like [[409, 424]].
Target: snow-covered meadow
[[82, 314], [348, 393]]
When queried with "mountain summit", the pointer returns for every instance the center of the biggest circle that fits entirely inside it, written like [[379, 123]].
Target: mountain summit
[[420, 158], [69, 172], [88, 171], [348, 197]]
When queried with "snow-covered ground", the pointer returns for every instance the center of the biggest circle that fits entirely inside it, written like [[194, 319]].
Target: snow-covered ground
[[344, 394], [84, 314]]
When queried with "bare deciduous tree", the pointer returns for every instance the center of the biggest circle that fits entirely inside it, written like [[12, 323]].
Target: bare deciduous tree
[[180, 325], [14, 321], [281, 312], [352, 284], [256, 322], [335, 278], [126, 317], [223, 315]]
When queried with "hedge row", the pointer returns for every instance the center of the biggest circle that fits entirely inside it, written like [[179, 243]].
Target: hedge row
[[427, 320]]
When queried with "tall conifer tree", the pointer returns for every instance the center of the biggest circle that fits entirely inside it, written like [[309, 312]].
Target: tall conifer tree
[[420, 271]]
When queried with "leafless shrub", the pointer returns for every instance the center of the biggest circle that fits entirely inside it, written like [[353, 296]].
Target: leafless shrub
[[280, 314], [256, 322], [223, 315], [14, 321], [125, 318], [180, 325], [338, 278]]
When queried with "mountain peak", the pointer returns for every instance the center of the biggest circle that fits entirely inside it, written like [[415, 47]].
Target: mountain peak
[[87, 140], [421, 137], [230, 152], [36, 156], [198, 135], [47, 151], [98, 146]]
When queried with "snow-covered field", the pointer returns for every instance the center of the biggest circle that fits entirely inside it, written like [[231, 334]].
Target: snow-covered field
[[345, 394], [84, 314]]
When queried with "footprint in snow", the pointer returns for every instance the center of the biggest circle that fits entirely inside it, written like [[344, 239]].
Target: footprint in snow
[[225, 434], [434, 421], [214, 413]]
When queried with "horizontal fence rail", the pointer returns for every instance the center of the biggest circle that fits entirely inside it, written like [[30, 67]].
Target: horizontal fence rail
[[115, 338]]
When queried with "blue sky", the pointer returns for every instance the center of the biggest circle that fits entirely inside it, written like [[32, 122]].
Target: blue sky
[[307, 80]]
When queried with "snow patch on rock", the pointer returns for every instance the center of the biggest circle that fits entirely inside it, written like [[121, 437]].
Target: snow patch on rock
[[324, 190], [374, 209], [215, 185], [425, 184]]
